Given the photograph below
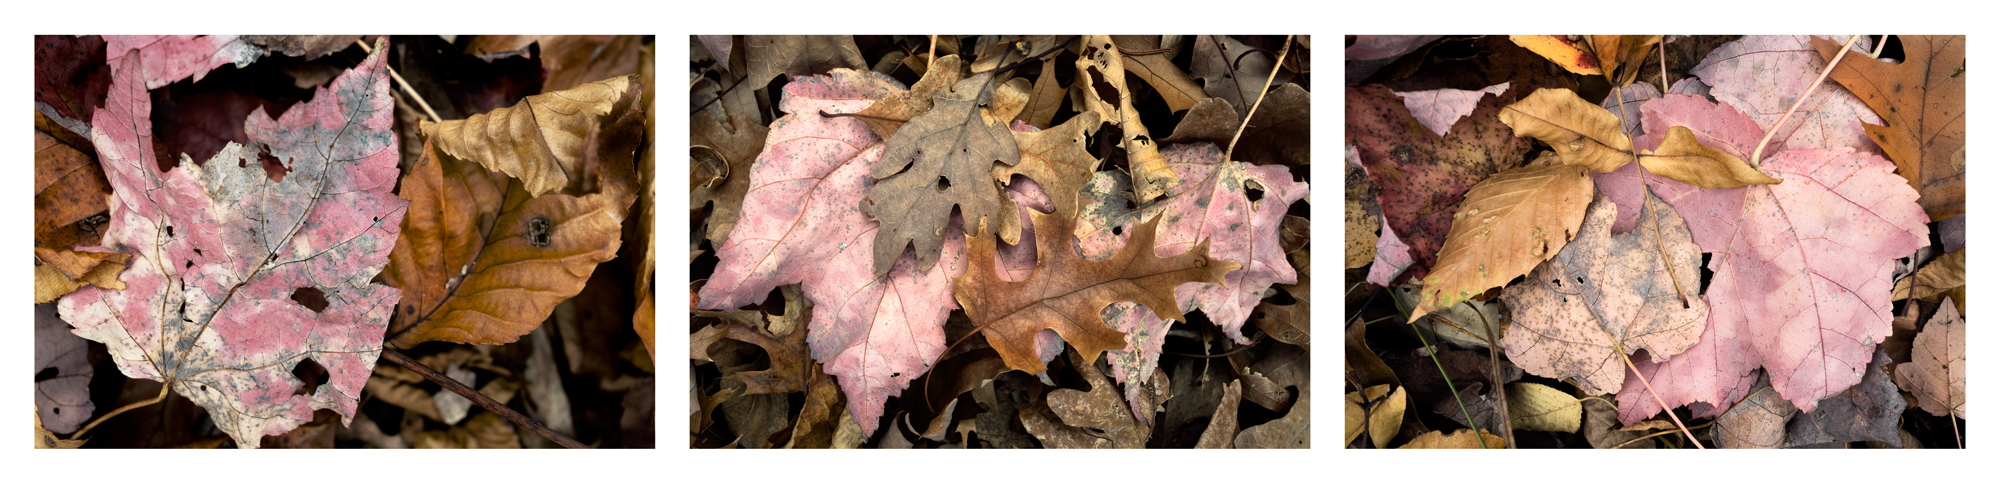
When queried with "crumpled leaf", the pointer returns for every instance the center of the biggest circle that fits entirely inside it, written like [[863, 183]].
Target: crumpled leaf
[[1936, 371], [950, 153], [1424, 176], [1762, 76], [60, 272], [164, 59], [222, 249], [797, 56], [1291, 323], [1607, 294], [62, 374], [1508, 224], [1101, 78], [540, 141], [1922, 104], [802, 223], [738, 144], [1043, 101], [1941, 275]]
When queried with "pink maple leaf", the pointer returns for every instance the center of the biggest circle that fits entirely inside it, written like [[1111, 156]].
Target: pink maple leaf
[[1439, 109], [224, 251], [1762, 76], [165, 59]]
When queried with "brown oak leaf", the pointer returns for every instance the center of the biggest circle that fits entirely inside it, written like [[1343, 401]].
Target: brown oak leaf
[[940, 159], [1922, 105]]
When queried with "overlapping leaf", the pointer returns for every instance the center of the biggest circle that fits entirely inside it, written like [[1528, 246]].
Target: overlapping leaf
[[941, 159], [540, 141], [1922, 104], [1936, 371], [1424, 176]]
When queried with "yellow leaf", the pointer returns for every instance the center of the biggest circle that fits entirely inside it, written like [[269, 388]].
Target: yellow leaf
[[1681, 158], [1584, 134], [1535, 407], [541, 140], [1101, 76], [53, 277], [1462, 439], [1507, 225], [1386, 418]]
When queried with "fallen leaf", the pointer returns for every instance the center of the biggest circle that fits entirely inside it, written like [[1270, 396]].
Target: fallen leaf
[[1571, 52], [1362, 233], [1439, 109], [1385, 412], [1941, 275], [164, 59], [1222, 427], [738, 143], [308, 47], [1682, 158], [1101, 78], [484, 430], [1045, 99], [797, 56], [1618, 57], [1101, 409], [1869, 411], [70, 193], [1468, 324], [1712, 211], [1762, 76], [1293, 431], [1290, 323], [1922, 105], [1582, 133], [256, 242], [1508, 224], [1461, 439], [1158, 70], [541, 140], [941, 159], [60, 272], [1370, 53], [1279, 133], [62, 374], [890, 113], [1424, 176], [1535, 407], [1604, 295], [1231, 70], [1357, 418], [45, 439], [1936, 371], [1600, 426], [1756, 422], [71, 79]]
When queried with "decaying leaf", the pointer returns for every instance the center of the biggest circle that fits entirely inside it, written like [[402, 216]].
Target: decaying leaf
[[1468, 324], [164, 59], [222, 251], [1603, 295], [541, 140], [1438, 109], [70, 193], [890, 113], [1101, 409], [1386, 406], [1101, 78], [1922, 105], [1936, 371], [1424, 176], [1461, 439], [1234, 70], [1618, 57], [62, 374], [797, 56], [1507, 225], [59, 272], [1941, 275], [738, 144], [941, 159], [1158, 70]]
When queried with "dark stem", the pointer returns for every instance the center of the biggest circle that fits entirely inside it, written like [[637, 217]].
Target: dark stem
[[1239, 350], [718, 97], [480, 398]]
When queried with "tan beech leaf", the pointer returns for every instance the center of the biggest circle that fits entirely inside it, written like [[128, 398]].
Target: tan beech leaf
[[1582, 133], [1009, 99], [1936, 371], [1682, 158], [541, 140], [738, 144], [1045, 99], [1068, 293], [1158, 70], [1507, 225], [1535, 407], [1101, 75], [481, 261], [1461, 439], [1603, 294], [70, 190], [1385, 416], [1941, 275], [64, 271], [941, 159], [889, 114], [797, 55]]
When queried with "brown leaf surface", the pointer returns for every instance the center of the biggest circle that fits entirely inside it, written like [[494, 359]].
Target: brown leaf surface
[[481, 261], [1507, 225], [1582, 133], [1941, 275], [1045, 99], [1922, 104], [796, 55], [1101, 409], [1291, 324], [950, 153], [1936, 371], [1222, 427], [1158, 70], [70, 190], [541, 140], [64, 271], [738, 144], [887, 115], [1101, 77], [1604, 294]]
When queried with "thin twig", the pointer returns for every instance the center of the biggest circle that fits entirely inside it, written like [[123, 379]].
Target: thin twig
[[1662, 49], [1659, 434], [1493, 353], [1647, 189], [477, 397], [1877, 54], [406, 86], [1280, 64], [100, 419], [1440, 365], [1757, 157]]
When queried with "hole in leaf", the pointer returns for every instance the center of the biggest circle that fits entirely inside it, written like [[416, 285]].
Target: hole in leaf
[[1253, 191], [190, 264], [310, 375], [310, 297], [1579, 281], [273, 168], [538, 232], [170, 230], [47, 374], [1118, 230], [1104, 89], [942, 184]]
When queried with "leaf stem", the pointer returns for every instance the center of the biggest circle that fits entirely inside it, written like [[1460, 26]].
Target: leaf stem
[[1440, 365], [406, 86], [1757, 156], [1879, 45], [477, 397], [1493, 353], [1646, 188], [1656, 397], [1662, 49], [1227, 154], [100, 419]]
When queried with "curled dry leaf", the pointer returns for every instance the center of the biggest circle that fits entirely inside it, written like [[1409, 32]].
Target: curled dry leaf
[[1936, 371], [737, 144], [1682, 158], [225, 250], [1101, 78], [1922, 105], [540, 141], [1581, 132], [60, 272], [1506, 226], [1938, 277], [1101, 409], [941, 159], [1605, 294]]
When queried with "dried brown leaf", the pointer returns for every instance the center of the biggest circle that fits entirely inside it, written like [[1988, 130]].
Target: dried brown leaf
[[950, 153], [1507, 225], [541, 140], [1101, 75], [1936, 371], [1582, 133]]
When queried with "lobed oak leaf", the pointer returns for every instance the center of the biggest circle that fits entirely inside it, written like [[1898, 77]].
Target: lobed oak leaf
[[941, 159], [1605, 296], [1423, 176], [1508, 224], [540, 141], [222, 251], [1936, 371], [1922, 104]]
